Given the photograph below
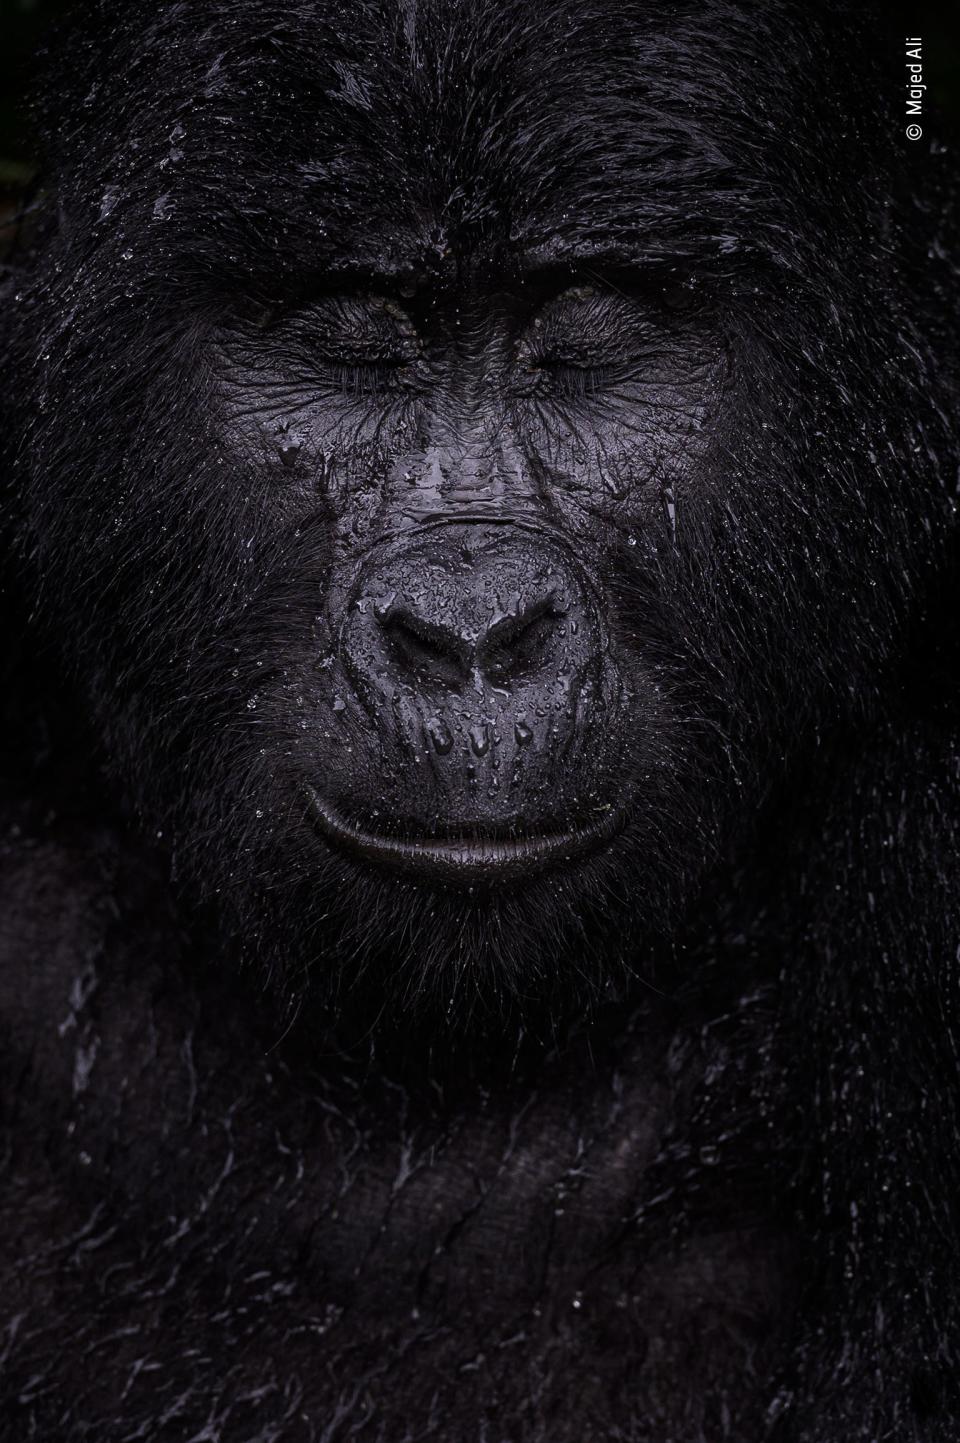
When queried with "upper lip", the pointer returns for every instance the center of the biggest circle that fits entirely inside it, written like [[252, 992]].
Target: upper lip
[[466, 859]]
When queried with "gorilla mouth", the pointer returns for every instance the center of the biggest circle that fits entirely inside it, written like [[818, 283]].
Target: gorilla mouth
[[464, 860]]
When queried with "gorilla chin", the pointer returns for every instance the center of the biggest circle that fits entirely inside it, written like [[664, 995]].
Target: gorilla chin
[[419, 957], [397, 920], [495, 929]]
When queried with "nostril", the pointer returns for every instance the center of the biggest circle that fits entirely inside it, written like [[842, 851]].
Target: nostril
[[515, 642], [425, 645]]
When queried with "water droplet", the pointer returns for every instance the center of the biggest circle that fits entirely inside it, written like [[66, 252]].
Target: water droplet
[[107, 202], [339, 704], [522, 732], [479, 741], [709, 1155], [439, 734], [290, 448], [384, 606]]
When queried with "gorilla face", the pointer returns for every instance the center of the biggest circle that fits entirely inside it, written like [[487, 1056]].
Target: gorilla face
[[459, 477], [463, 709]]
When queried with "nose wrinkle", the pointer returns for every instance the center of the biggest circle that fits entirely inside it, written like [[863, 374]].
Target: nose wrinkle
[[472, 464]]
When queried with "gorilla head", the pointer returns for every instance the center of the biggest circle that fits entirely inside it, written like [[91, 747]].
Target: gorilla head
[[461, 462]]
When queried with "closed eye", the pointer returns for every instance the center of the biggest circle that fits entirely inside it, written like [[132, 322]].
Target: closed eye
[[590, 340], [358, 345]]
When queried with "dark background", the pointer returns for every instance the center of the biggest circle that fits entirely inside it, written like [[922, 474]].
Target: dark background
[[24, 24]]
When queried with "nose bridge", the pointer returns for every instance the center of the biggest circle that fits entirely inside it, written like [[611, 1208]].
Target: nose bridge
[[473, 460]]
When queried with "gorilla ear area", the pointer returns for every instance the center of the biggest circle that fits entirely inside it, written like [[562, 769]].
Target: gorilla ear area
[[478, 773]]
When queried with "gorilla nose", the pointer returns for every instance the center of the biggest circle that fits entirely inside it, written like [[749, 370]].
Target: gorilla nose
[[502, 648], [448, 611]]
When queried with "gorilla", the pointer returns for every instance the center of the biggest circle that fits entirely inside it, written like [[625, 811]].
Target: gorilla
[[479, 943]]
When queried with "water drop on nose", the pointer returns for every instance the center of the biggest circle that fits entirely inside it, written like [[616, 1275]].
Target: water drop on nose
[[439, 734], [290, 448], [479, 741], [522, 732], [384, 606], [670, 509]]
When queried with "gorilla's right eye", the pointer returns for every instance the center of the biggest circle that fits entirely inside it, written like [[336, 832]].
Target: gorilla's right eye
[[352, 343]]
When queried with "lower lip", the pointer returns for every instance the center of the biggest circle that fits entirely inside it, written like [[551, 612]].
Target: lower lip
[[462, 861]]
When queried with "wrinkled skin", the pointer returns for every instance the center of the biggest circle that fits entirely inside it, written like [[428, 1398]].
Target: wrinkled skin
[[487, 491]]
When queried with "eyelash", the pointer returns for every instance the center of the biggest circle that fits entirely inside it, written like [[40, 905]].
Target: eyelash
[[574, 382], [362, 378]]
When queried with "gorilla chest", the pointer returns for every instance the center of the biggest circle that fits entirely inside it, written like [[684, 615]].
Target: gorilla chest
[[587, 1256]]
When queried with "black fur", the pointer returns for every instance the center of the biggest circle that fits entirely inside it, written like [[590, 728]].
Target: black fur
[[658, 1144]]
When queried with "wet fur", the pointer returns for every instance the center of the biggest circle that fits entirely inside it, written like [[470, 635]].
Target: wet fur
[[390, 1184]]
